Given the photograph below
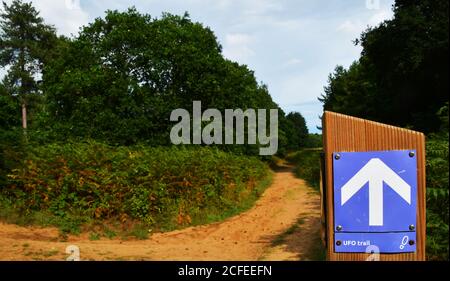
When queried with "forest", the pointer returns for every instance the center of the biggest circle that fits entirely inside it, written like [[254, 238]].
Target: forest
[[401, 79]]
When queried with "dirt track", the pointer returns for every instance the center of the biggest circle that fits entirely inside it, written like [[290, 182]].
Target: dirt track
[[283, 225]]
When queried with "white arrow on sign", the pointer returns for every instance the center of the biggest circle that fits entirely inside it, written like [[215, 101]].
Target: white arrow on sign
[[375, 172]]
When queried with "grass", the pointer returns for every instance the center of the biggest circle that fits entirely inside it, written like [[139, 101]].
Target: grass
[[139, 231], [93, 236], [12, 214], [50, 253], [109, 233], [41, 253], [217, 214]]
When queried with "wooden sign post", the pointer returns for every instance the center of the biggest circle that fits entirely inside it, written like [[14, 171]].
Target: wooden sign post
[[373, 190]]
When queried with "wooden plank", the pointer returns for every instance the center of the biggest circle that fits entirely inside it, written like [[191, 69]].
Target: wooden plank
[[344, 133]]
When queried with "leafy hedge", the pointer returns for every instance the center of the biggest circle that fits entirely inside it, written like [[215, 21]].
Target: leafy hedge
[[162, 187], [307, 165], [437, 198]]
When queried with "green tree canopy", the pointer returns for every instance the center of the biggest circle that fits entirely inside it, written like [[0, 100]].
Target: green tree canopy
[[9, 111], [296, 131], [402, 75], [135, 70]]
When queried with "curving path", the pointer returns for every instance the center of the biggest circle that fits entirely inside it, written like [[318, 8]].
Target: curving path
[[283, 225]]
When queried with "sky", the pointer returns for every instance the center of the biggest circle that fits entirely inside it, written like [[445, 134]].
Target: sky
[[291, 45]]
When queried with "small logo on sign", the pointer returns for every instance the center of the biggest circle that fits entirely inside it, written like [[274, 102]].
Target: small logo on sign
[[405, 241]]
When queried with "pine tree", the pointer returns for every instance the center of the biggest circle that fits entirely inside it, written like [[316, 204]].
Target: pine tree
[[25, 41]]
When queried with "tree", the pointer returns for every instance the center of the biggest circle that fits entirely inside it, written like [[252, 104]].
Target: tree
[[25, 42], [137, 69], [314, 141], [296, 131], [350, 91], [401, 78], [8, 110], [402, 75]]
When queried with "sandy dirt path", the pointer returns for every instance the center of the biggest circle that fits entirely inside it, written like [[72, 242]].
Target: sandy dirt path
[[284, 224]]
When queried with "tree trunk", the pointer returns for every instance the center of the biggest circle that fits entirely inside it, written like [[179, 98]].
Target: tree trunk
[[24, 116]]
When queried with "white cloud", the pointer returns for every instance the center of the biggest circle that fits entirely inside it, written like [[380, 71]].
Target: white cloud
[[351, 26], [66, 15], [260, 7], [238, 39], [380, 16], [303, 87], [356, 26], [237, 47], [223, 4], [292, 62]]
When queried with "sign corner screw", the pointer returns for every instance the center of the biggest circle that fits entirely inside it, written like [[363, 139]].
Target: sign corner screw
[[337, 156], [338, 243], [412, 227], [412, 154], [339, 227]]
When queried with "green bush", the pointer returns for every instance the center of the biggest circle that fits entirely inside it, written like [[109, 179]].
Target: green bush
[[437, 198], [307, 165], [163, 187]]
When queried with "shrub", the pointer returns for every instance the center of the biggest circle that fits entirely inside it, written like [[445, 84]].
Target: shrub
[[307, 165], [165, 187], [437, 198]]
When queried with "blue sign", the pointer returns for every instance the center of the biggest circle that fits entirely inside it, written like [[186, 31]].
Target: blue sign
[[375, 192]]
